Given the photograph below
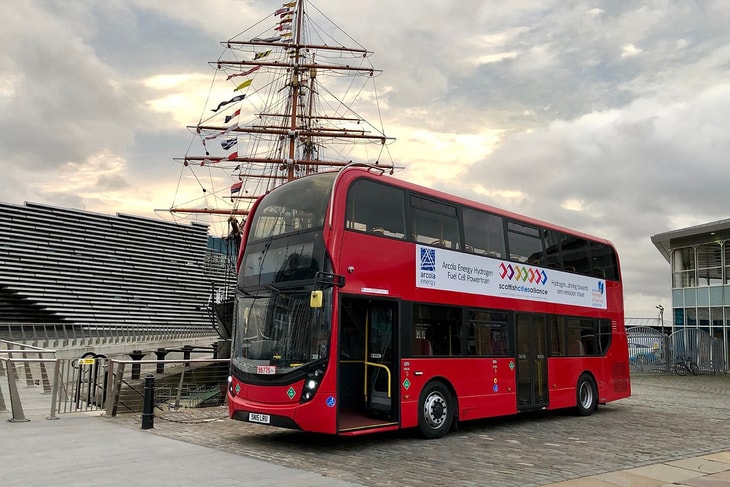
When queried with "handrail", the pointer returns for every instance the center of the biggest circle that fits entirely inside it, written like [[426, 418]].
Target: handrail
[[115, 369], [6, 356], [24, 347], [381, 366], [365, 362]]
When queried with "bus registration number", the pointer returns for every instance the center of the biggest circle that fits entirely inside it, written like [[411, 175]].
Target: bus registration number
[[259, 418], [266, 369]]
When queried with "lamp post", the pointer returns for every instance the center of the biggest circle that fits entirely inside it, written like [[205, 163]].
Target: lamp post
[[661, 316]]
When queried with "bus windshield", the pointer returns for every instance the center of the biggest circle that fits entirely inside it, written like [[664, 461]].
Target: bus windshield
[[285, 240], [279, 333], [276, 330]]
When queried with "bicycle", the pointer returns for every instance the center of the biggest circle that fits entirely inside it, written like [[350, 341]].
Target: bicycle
[[684, 365]]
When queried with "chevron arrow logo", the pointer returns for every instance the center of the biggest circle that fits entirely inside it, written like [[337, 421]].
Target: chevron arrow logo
[[522, 273]]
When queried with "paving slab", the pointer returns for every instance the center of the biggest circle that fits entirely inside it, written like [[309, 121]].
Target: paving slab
[[715, 480], [700, 464], [80, 450], [666, 473], [627, 479]]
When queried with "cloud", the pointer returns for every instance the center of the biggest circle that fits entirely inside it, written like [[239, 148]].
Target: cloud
[[609, 120], [622, 174]]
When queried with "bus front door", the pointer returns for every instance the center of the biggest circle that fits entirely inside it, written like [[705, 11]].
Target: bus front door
[[379, 359], [532, 381], [367, 358]]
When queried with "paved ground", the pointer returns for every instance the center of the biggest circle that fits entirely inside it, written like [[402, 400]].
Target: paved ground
[[667, 418], [672, 431]]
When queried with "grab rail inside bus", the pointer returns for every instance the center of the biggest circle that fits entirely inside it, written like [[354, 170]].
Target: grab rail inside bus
[[366, 363], [387, 370]]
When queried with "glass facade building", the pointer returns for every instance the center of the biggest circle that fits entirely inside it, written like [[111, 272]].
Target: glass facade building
[[699, 257]]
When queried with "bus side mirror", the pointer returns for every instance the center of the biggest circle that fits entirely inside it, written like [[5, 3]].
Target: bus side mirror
[[315, 299], [327, 279]]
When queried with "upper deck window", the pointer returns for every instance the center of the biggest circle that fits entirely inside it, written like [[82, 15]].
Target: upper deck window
[[376, 208], [434, 223], [296, 206], [575, 255], [525, 243], [603, 261], [483, 233]]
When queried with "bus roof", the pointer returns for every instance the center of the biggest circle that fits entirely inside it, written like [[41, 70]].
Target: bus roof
[[352, 172]]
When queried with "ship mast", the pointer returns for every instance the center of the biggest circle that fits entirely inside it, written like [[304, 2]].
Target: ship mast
[[295, 93], [276, 127]]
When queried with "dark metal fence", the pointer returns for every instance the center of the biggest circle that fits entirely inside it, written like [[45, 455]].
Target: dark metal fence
[[34, 379], [687, 350]]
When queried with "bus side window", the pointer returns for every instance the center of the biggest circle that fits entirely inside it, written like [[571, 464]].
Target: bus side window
[[524, 243], [434, 223], [603, 261], [376, 208], [483, 233], [557, 336], [589, 337], [488, 333], [575, 255], [575, 346], [604, 335], [551, 257], [582, 339], [440, 327]]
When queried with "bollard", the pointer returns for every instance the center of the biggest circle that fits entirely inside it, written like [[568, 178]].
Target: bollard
[[186, 349], [148, 413], [161, 352], [136, 368]]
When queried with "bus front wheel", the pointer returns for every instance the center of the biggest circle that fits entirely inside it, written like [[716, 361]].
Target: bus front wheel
[[587, 395], [436, 410]]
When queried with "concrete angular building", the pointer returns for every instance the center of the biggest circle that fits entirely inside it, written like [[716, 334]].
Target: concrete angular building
[[76, 268], [699, 257]]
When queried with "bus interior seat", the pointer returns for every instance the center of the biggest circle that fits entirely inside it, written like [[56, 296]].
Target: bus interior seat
[[378, 231], [423, 347], [576, 348]]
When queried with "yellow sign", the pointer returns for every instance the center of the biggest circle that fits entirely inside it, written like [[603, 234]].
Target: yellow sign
[[86, 361]]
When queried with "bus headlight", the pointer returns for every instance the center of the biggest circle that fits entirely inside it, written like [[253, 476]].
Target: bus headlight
[[311, 384]]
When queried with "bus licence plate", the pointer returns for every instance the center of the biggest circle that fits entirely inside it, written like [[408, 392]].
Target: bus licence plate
[[259, 418]]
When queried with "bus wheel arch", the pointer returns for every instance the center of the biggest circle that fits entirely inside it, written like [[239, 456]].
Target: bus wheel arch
[[437, 409], [586, 393]]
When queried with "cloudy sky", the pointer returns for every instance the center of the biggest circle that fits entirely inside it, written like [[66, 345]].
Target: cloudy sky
[[609, 116]]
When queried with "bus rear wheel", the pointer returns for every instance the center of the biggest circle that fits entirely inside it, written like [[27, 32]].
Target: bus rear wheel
[[587, 395], [436, 410]]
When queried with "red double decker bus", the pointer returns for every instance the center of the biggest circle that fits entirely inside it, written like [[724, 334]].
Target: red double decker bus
[[365, 303]]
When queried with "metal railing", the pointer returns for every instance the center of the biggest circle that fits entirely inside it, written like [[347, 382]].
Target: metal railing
[[651, 351], [187, 383], [96, 383], [75, 335], [39, 357]]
